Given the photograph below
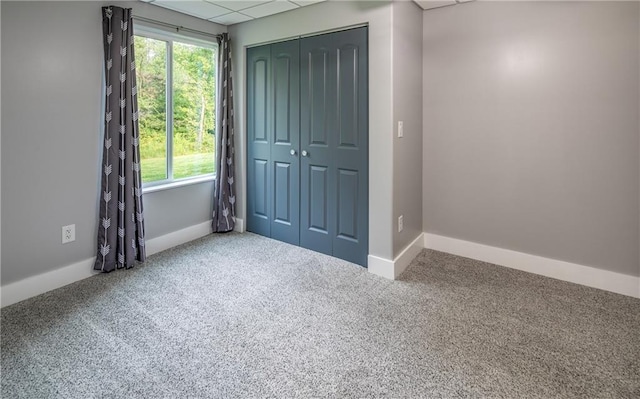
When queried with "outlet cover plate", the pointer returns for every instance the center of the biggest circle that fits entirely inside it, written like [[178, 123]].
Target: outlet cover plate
[[68, 233]]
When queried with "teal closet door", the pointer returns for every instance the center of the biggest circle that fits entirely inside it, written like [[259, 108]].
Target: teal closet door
[[307, 143], [259, 139], [334, 144], [285, 148], [273, 141]]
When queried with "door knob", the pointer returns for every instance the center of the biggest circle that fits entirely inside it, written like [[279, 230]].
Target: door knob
[[304, 153], [292, 152]]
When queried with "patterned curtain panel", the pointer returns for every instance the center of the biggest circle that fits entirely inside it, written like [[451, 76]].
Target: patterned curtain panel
[[121, 225], [224, 197]]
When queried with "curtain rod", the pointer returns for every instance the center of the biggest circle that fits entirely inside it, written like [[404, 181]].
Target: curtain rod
[[178, 28]]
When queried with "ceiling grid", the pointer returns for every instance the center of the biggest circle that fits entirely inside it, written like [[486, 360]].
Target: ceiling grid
[[229, 12]]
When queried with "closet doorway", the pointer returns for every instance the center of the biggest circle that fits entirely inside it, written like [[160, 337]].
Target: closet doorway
[[307, 143]]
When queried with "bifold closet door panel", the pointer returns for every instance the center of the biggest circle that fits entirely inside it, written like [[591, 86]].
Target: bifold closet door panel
[[259, 139], [351, 155], [285, 100], [334, 144], [317, 117]]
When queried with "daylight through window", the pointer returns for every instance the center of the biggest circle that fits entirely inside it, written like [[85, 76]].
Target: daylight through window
[[176, 104]]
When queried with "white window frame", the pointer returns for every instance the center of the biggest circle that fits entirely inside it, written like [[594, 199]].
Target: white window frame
[[168, 37]]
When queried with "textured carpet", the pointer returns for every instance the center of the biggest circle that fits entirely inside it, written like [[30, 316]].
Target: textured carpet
[[240, 315]]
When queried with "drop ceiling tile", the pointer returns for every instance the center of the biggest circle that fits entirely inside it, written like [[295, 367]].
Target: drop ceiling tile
[[429, 4], [200, 9], [273, 7], [303, 3], [231, 18], [237, 5]]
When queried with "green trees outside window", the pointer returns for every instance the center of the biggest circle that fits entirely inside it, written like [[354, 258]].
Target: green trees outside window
[[182, 145]]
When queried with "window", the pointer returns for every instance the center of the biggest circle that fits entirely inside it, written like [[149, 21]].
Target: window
[[176, 104]]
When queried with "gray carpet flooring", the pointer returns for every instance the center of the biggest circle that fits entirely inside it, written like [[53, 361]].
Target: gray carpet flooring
[[239, 315]]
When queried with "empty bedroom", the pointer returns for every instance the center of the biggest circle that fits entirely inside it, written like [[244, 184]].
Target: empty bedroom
[[319, 198]]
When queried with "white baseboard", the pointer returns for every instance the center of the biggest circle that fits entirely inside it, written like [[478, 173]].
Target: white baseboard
[[391, 269], [402, 261], [239, 227], [381, 267], [41, 283], [585, 275], [175, 238]]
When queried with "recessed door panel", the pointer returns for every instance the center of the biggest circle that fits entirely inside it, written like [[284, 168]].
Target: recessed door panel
[[282, 98], [259, 100], [317, 82], [318, 196], [347, 104], [261, 184], [348, 204], [282, 193], [316, 222]]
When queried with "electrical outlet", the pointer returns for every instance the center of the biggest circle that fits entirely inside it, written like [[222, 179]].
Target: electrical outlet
[[400, 129], [68, 233], [400, 223]]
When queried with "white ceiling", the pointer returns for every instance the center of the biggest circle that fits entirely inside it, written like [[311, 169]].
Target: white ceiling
[[229, 12], [430, 4]]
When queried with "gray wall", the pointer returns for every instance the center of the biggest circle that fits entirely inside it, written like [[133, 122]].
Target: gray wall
[[531, 130], [51, 83], [407, 107], [0, 148], [317, 18]]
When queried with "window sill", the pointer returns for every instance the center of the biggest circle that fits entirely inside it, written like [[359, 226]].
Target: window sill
[[176, 184]]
